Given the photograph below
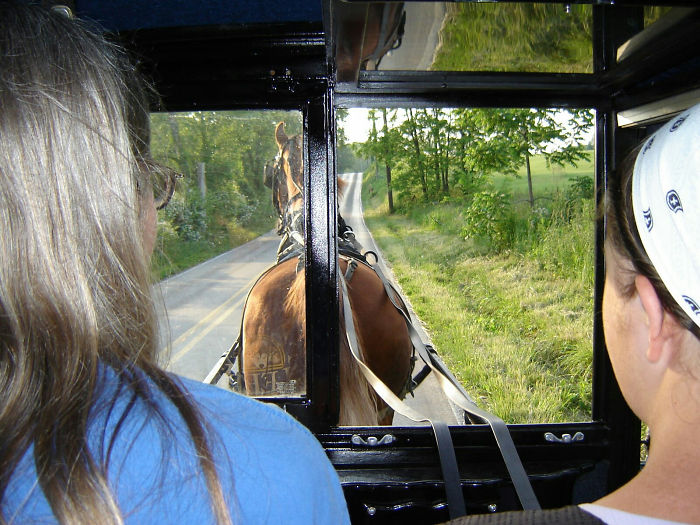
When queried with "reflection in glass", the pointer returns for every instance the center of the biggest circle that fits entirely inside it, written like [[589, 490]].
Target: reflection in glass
[[273, 344], [654, 13], [656, 20], [516, 37]]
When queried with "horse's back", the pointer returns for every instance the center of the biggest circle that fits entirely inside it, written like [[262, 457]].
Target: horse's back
[[380, 327], [274, 360]]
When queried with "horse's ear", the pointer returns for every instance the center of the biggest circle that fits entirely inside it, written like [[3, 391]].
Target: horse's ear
[[280, 135]]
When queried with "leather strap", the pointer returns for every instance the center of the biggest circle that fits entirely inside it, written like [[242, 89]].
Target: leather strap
[[350, 271], [446, 451], [459, 397]]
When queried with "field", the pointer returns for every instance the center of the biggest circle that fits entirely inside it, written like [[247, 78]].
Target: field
[[514, 325], [173, 254], [546, 180]]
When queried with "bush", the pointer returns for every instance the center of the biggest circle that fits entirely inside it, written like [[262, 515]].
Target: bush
[[566, 245], [229, 203], [187, 217], [490, 218], [580, 188]]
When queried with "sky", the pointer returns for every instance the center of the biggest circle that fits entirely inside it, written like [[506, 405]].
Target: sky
[[357, 125]]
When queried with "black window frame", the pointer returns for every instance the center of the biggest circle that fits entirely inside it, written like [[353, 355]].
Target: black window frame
[[292, 66]]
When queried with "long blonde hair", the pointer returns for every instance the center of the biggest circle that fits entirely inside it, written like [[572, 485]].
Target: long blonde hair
[[74, 276]]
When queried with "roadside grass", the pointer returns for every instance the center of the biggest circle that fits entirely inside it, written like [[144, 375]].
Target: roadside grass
[[514, 327], [173, 255]]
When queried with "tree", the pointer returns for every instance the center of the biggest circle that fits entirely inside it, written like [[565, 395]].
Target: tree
[[477, 151], [233, 147], [432, 151], [382, 146], [387, 160], [415, 132], [550, 132]]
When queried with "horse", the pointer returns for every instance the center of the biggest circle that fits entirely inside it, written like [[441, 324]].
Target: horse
[[273, 339]]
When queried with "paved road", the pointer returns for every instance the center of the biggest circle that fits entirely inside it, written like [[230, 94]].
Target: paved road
[[204, 306], [421, 39]]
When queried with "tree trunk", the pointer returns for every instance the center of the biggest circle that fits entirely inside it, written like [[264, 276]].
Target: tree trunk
[[201, 179], [438, 153], [182, 160], [389, 194], [529, 180], [446, 167], [419, 157]]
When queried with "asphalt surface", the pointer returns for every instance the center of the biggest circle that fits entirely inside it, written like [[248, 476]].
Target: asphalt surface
[[421, 38]]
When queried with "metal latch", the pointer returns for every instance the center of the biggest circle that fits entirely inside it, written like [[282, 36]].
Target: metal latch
[[372, 441], [565, 438]]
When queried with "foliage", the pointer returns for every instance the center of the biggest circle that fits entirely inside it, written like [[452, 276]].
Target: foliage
[[381, 148], [565, 244], [515, 334], [523, 133], [347, 161], [510, 307], [433, 154], [221, 201], [187, 218], [490, 217], [581, 187], [516, 37]]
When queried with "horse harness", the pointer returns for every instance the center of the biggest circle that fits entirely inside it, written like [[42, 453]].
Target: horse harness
[[292, 245], [349, 248], [290, 220]]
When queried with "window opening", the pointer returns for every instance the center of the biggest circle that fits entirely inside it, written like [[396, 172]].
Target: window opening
[[217, 235], [485, 218]]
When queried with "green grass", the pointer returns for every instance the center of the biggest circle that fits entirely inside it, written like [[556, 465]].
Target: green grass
[[515, 37], [173, 255], [546, 179], [514, 327]]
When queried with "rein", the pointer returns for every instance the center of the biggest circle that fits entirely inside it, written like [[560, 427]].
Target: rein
[[292, 245], [454, 391]]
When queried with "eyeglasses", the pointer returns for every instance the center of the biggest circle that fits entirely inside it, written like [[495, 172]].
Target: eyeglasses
[[163, 180]]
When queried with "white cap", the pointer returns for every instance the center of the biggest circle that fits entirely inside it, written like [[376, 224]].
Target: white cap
[[666, 203]]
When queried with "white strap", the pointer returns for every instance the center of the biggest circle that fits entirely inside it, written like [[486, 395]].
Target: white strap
[[446, 452], [456, 394]]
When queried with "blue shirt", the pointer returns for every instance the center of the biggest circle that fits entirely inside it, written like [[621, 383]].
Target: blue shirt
[[272, 469]]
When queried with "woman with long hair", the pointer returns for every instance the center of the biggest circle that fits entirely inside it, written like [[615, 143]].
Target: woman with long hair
[[91, 429]]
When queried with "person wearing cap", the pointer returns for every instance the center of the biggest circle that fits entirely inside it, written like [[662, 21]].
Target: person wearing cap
[[651, 319]]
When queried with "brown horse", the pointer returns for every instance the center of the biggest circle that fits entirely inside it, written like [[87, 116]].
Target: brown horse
[[273, 349]]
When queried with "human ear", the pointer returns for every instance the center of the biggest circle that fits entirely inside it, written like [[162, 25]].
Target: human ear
[[655, 316]]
